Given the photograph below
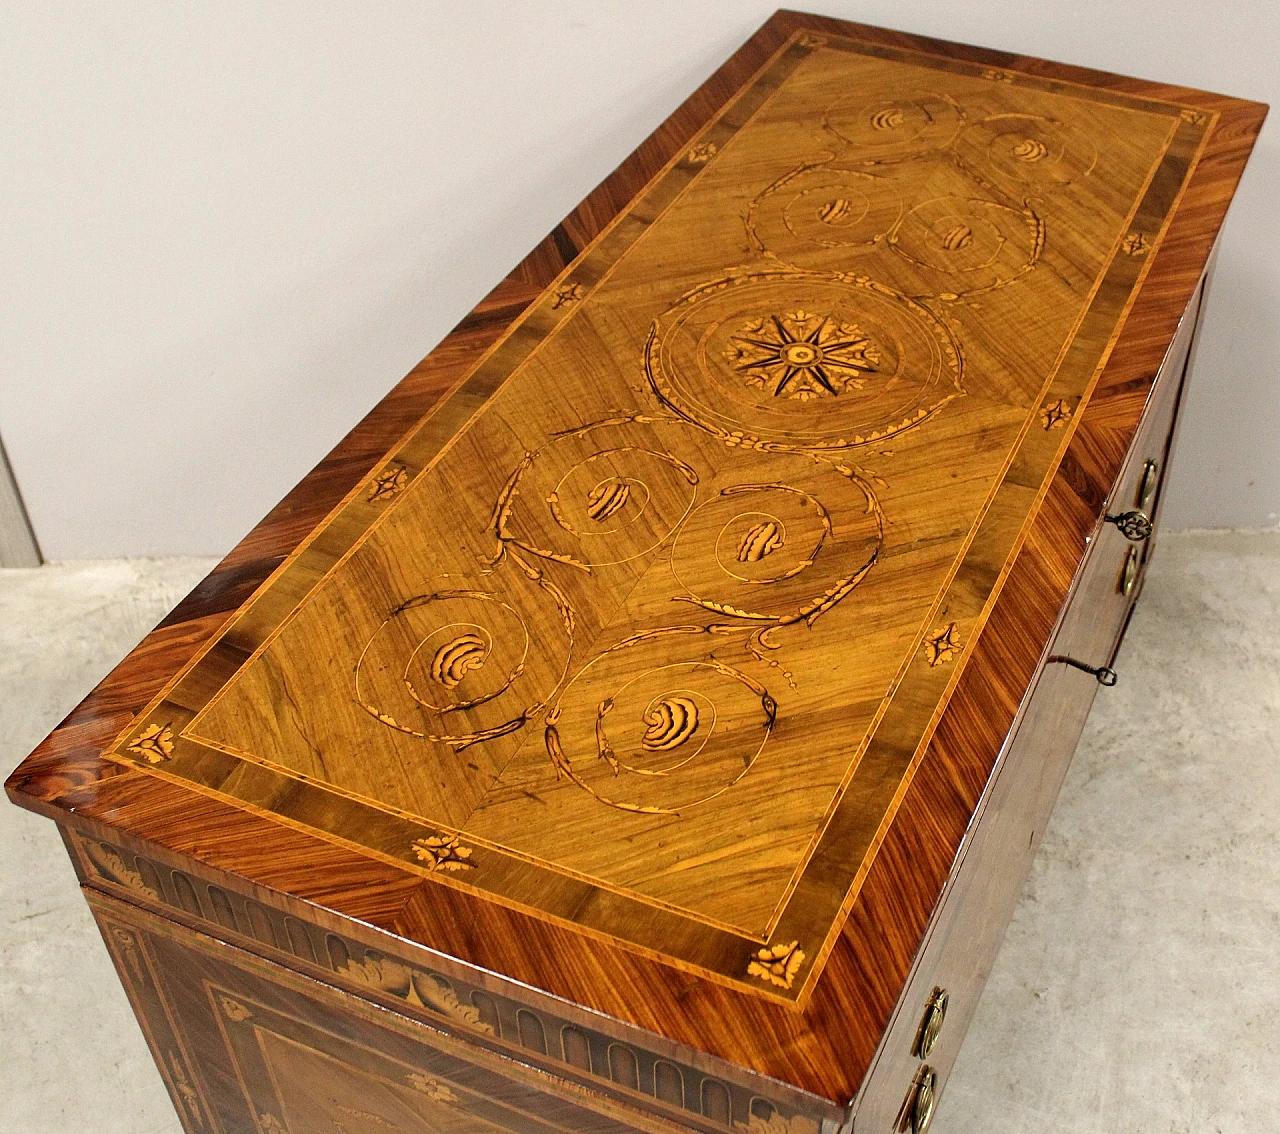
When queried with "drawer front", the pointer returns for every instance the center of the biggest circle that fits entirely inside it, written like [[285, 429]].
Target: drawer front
[[247, 1047], [1111, 577], [976, 907], [675, 1085]]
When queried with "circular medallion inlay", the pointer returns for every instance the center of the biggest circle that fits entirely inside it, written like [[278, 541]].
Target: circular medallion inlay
[[893, 128], [795, 361]]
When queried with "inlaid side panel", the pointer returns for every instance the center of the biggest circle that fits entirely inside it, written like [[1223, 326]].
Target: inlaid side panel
[[248, 1048], [645, 629], [980, 898], [712, 1102]]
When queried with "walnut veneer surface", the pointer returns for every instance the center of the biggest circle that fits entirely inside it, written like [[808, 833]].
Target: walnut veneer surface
[[652, 642]]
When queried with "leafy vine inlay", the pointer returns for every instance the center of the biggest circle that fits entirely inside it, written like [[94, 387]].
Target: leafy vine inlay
[[112, 866], [414, 987]]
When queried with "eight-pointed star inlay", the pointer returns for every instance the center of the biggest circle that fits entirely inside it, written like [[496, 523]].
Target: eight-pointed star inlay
[[801, 355]]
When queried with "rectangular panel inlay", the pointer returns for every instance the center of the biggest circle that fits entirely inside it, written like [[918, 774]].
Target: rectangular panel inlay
[[644, 628]]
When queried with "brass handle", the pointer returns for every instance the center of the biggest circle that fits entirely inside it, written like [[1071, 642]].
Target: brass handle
[[1147, 484], [925, 1102], [1134, 526], [935, 1014], [1129, 576]]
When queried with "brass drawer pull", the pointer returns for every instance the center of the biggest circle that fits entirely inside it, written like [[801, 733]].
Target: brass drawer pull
[[1147, 484], [935, 1014], [1134, 526], [1129, 576], [925, 1102]]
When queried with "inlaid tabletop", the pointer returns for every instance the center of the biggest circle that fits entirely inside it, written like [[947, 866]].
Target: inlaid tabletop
[[644, 628]]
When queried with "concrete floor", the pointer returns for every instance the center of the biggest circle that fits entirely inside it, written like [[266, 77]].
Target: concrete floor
[[1138, 988]]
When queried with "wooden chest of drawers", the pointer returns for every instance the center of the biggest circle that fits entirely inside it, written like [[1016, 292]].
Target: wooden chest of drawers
[[644, 720]]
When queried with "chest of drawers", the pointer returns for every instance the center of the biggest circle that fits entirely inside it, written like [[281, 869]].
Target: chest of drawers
[[645, 718]]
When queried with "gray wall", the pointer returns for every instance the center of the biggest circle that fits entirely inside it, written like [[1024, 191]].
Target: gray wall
[[229, 228]]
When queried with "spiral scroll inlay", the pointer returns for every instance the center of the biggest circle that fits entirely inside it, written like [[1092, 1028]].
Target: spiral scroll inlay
[[763, 539], [671, 722], [607, 498], [455, 659], [1030, 150]]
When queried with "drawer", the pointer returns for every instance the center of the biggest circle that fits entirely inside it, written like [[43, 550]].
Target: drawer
[[248, 1047], [986, 881], [1111, 577], [581, 1052]]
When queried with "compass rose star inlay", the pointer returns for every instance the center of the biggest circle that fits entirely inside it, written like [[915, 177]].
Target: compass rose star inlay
[[801, 355]]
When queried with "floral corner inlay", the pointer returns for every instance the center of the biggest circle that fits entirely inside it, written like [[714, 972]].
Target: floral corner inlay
[[435, 1090], [565, 295], [234, 1011], [154, 743], [801, 355], [777, 964], [942, 645], [442, 852], [1193, 116], [996, 75], [1055, 414], [388, 483], [702, 152], [1135, 244], [811, 39]]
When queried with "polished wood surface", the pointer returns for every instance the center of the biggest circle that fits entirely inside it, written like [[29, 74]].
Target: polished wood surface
[[586, 648], [821, 1032]]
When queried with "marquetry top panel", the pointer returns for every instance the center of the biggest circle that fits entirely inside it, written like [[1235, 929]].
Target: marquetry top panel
[[644, 629]]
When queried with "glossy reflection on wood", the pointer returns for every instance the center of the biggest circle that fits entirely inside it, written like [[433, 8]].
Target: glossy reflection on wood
[[662, 664]]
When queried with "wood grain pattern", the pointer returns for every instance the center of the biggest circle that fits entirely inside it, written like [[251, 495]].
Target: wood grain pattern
[[564, 594], [827, 1047]]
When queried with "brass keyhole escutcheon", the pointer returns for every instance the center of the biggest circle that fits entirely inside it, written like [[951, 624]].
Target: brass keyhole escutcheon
[[1147, 484], [1129, 576], [935, 1014], [926, 1101], [1134, 526]]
